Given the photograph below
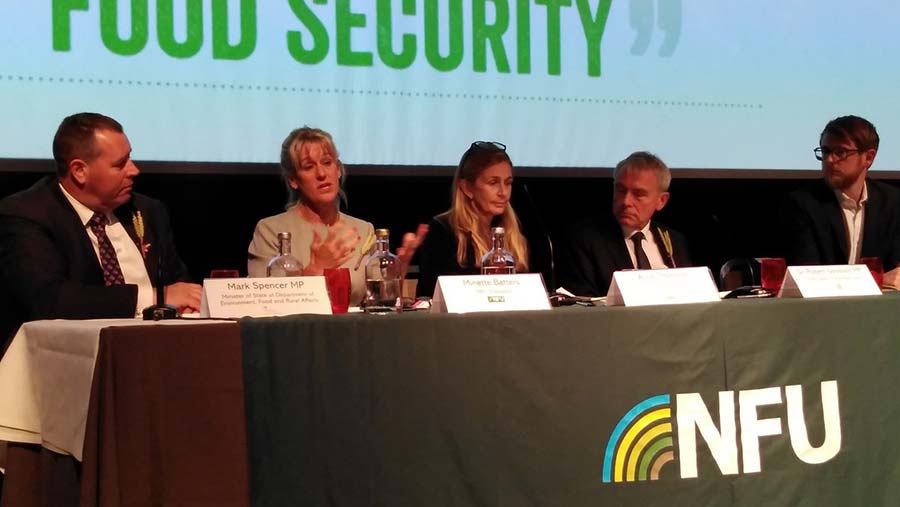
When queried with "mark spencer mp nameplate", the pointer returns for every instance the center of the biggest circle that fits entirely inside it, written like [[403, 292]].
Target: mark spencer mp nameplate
[[661, 287], [828, 281], [264, 297], [489, 293]]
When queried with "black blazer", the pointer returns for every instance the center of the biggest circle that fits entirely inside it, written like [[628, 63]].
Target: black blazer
[[437, 256], [813, 230], [48, 267], [596, 249]]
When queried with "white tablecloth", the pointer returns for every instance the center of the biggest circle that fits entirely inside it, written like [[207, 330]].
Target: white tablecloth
[[45, 381]]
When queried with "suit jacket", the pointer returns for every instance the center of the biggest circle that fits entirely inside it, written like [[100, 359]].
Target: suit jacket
[[49, 269], [813, 230], [596, 249]]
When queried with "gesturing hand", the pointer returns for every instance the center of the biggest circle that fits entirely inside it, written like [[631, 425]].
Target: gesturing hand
[[332, 251], [411, 243]]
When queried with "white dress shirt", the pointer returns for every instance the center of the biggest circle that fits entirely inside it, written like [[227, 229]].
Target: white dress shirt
[[854, 218], [130, 260], [648, 244]]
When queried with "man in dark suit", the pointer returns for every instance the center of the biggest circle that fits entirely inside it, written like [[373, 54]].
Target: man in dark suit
[[845, 216], [629, 239], [80, 244]]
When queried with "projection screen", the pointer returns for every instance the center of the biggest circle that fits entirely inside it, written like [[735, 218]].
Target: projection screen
[[705, 84]]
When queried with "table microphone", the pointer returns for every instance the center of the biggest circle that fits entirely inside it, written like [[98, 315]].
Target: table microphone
[[160, 311], [546, 233]]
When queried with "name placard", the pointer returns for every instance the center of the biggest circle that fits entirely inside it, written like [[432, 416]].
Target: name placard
[[647, 287], [264, 297], [828, 281], [489, 293]]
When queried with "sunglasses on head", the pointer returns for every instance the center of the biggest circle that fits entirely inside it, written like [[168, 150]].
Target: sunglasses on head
[[482, 146], [488, 145]]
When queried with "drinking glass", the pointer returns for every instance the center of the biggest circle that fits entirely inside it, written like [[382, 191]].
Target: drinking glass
[[337, 281], [224, 273], [876, 268], [773, 270]]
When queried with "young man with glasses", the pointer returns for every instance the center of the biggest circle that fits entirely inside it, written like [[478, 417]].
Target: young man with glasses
[[846, 216]]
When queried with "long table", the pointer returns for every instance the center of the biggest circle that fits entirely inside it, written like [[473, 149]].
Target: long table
[[732, 403]]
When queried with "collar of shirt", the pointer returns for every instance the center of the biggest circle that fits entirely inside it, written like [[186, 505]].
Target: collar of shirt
[[627, 232], [853, 214], [84, 213], [651, 249], [850, 204]]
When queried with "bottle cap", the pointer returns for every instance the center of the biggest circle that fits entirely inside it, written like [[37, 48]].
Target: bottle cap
[[497, 230], [382, 233], [284, 235]]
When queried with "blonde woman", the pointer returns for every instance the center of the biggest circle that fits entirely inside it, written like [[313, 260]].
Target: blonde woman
[[459, 238], [321, 236]]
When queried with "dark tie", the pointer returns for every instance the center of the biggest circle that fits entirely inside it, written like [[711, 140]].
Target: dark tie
[[642, 261], [112, 273]]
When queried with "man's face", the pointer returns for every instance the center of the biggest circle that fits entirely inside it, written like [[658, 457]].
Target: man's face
[[842, 163], [636, 196], [107, 179]]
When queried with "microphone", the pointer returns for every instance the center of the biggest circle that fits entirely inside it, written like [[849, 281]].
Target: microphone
[[160, 311], [546, 233]]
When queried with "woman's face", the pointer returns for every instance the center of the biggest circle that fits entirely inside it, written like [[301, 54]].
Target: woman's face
[[317, 175], [491, 190]]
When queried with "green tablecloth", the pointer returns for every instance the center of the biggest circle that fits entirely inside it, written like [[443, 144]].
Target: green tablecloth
[[519, 408]]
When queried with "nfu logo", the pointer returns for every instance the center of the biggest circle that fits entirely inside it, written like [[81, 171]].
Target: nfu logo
[[643, 442]]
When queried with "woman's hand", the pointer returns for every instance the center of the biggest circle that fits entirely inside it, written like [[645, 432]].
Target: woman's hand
[[332, 251], [410, 244]]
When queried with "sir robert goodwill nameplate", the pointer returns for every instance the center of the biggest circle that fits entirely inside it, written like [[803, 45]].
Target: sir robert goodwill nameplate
[[489, 293], [264, 297], [828, 281]]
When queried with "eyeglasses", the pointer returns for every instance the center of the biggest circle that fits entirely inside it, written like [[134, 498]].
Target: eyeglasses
[[488, 145], [481, 146], [839, 153]]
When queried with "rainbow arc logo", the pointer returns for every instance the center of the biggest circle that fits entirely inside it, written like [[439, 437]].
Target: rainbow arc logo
[[645, 439], [642, 442]]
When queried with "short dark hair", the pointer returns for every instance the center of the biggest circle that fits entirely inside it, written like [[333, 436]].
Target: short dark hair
[[859, 131], [75, 138]]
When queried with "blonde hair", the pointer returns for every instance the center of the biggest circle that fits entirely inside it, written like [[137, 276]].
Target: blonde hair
[[464, 217], [291, 149]]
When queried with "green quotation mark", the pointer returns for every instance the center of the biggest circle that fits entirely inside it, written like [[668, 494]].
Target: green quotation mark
[[665, 14]]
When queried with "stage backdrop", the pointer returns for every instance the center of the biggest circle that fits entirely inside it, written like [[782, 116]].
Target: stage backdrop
[[725, 84]]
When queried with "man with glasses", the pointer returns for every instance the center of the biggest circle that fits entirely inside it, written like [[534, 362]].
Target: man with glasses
[[629, 238], [846, 216]]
